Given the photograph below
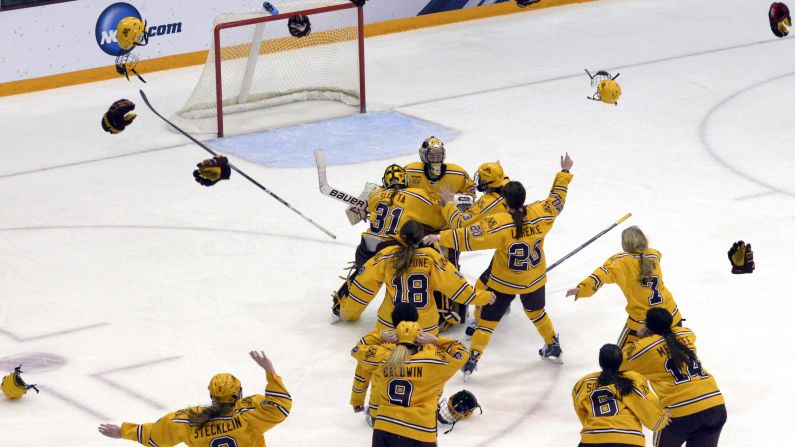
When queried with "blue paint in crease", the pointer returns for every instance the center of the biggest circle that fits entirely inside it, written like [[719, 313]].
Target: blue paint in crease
[[353, 139]]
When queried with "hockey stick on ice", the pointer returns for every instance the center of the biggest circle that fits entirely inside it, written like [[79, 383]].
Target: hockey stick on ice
[[234, 168], [589, 241], [334, 193]]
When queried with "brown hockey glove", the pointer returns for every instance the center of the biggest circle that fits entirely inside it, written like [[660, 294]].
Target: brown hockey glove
[[212, 170], [742, 258], [780, 20], [118, 117]]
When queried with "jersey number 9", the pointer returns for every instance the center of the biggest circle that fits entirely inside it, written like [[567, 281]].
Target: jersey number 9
[[399, 392]]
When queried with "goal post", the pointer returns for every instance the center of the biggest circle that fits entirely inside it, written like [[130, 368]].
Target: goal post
[[256, 63]]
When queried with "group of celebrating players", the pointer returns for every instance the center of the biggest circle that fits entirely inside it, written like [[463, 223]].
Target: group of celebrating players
[[420, 219]]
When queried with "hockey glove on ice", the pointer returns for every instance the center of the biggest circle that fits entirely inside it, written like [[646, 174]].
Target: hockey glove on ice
[[742, 258], [779, 19], [212, 170], [118, 117]]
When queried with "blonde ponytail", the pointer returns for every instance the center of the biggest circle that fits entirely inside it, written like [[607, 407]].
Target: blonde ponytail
[[397, 359], [634, 241]]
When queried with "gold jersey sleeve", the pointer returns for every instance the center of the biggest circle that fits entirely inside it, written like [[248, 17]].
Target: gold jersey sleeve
[[609, 418], [454, 178], [487, 204], [683, 389], [408, 400], [250, 418], [623, 270], [389, 210], [519, 265], [429, 272]]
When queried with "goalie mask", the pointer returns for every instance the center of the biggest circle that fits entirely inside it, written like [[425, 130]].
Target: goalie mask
[[490, 176], [459, 406], [14, 387], [607, 89], [225, 389], [130, 32], [394, 176], [432, 155], [299, 25]]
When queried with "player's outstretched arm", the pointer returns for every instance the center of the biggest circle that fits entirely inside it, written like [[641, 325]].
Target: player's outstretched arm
[[263, 361], [110, 430]]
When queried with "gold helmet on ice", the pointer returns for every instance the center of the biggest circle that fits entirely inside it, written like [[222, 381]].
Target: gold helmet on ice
[[407, 331], [394, 175], [225, 388], [131, 31], [14, 387], [490, 175]]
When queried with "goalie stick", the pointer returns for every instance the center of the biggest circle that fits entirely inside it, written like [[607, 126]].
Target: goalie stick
[[589, 241], [334, 193], [234, 168]]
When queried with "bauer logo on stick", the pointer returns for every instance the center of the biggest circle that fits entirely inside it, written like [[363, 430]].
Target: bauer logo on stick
[[607, 89]]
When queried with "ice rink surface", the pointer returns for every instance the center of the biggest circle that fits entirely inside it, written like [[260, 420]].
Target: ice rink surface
[[137, 284]]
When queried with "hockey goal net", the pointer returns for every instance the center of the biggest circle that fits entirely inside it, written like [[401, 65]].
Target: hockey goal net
[[255, 63]]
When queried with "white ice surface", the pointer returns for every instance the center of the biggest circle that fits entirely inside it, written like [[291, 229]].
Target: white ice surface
[[112, 230]]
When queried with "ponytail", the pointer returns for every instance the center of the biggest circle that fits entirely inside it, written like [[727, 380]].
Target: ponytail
[[395, 189], [411, 234], [634, 241], [610, 358], [659, 322], [515, 195], [199, 418], [518, 221], [393, 366], [645, 269]]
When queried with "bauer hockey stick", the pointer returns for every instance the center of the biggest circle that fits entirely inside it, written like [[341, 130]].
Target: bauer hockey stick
[[334, 193], [234, 168], [589, 241]]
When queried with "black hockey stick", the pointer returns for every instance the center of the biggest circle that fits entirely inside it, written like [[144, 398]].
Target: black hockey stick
[[206, 148], [589, 241]]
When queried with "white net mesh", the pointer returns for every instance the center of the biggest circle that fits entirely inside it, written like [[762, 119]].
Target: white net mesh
[[262, 65]]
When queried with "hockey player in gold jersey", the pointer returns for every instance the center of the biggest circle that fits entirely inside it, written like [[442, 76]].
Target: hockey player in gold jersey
[[613, 405], [389, 208], [638, 273], [489, 179], [666, 355], [231, 421], [408, 378], [411, 274], [433, 175], [518, 265]]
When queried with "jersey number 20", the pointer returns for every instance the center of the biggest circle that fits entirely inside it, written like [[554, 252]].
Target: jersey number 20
[[521, 258]]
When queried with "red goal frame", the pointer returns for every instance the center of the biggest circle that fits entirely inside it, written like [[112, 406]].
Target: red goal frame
[[217, 49]]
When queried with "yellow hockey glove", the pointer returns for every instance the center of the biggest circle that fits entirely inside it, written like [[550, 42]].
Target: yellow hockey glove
[[212, 170]]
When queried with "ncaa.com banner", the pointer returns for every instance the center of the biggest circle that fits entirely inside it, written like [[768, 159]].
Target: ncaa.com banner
[[67, 37]]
